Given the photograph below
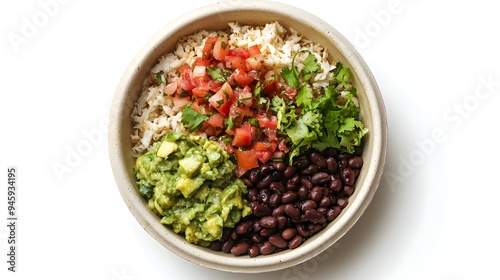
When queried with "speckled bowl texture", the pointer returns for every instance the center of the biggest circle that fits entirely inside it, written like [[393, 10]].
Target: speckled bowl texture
[[216, 17]]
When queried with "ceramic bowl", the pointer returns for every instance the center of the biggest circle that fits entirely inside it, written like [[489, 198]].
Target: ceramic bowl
[[216, 17]]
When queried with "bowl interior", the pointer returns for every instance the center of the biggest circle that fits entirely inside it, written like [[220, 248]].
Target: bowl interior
[[216, 17]]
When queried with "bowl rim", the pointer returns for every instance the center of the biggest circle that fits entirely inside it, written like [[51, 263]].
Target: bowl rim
[[227, 262]]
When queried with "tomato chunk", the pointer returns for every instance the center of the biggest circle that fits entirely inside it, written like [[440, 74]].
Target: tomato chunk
[[223, 99], [242, 137], [209, 45], [246, 159], [221, 48]]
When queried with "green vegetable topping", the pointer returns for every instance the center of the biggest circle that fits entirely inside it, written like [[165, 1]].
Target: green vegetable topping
[[218, 74], [192, 119]]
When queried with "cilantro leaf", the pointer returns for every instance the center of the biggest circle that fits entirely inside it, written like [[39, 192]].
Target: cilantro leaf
[[192, 119], [218, 74], [160, 78], [290, 75], [341, 75], [311, 66], [304, 96]]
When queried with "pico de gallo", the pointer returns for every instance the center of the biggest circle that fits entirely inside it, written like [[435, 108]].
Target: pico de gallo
[[260, 113]]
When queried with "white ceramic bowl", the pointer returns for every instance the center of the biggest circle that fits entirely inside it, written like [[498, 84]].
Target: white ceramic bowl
[[216, 17]]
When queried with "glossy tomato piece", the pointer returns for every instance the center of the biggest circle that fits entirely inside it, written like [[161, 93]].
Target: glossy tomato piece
[[246, 160], [266, 121], [242, 137], [242, 78], [223, 99], [209, 45], [221, 48]]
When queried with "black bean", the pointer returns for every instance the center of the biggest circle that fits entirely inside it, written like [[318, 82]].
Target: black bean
[[292, 211], [302, 230], [253, 251], [342, 202], [278, 241], [288, 233], [330, 151], [306, 183], [267, 231], [264, 196], [268, 222], [332, 213], [348, 190], [265, 182], [295, 242], [347, 176], [277, 176], [274, 200], [253, 194], [256, 227], [314, 216], [280, 166], [240, 248], [234, 235], [316, 194], [289, 172], [301, 163], [320, 178], [247, 182], [356, 162], [325, 202], [318, 159], [331, 165], [308, 204], [292, 183], [226, 234], [266, 169], [254, 175], [244, 227], [302, 192], [277, 187], [267, 248], [310, 170], [257, 238], [321, 210], [259, 209], [216, 245], [343, 163], [289, 197], [228, 245], [282, 222], [280, 210], [335, 184], [313, 228]]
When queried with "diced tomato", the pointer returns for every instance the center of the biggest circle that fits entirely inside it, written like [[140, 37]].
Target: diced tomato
[[199, 75], [246, 159], [242, 77], [236, 62], [241, 52], [261, 146], [239, 113], [242, 137], [267, 122], [245, 97], [217, 121], [186, 82], [282, 147], [202, 61], [255, 62], [199, 93], [221, 48], [271, 134], [209, 45], [223, 99], [263, 156], [254, 50], [271, 83], [180, 102]]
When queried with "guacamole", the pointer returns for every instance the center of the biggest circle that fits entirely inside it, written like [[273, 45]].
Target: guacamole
[[189, 182]]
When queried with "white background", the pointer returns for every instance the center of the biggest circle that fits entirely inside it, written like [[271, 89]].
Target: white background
[[435, 215]]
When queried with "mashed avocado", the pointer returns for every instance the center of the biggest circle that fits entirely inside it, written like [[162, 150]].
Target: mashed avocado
[[189, 182]]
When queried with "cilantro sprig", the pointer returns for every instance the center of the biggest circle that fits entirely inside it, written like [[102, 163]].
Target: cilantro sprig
[[192, 119]]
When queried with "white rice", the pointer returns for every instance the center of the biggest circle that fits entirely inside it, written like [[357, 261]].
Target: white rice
[[154, 113]]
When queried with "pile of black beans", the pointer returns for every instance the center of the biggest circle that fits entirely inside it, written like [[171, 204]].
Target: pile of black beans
[[291, 203]]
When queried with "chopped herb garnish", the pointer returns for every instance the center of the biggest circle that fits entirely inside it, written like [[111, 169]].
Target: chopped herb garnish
[[192, 119], [218, 74]]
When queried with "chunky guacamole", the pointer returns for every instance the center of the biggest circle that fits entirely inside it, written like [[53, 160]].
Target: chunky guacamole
[[189, 182]]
